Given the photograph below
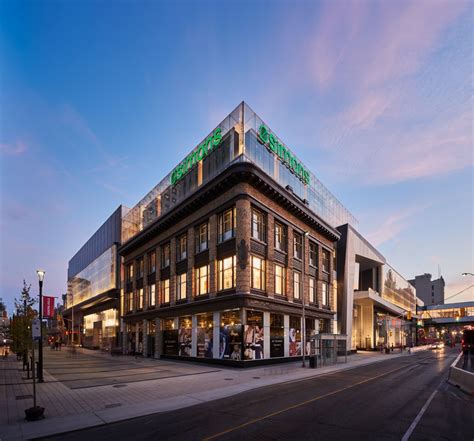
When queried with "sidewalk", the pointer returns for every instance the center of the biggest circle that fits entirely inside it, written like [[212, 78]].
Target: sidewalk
[[181, 385]]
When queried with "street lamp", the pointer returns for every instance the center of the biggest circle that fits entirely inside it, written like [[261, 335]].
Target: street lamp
[[41, 274], [467, 274]]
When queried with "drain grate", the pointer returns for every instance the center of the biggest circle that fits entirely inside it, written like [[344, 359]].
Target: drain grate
[[110, 406], [256, 378], [228, 379], [120, 385], [23, 397]]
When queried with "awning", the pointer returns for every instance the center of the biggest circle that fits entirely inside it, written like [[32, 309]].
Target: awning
[[373, 297]]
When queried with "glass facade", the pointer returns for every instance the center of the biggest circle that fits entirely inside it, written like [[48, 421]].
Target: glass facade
[[239, 143], [97, 278], [100, 330], [397, 290]]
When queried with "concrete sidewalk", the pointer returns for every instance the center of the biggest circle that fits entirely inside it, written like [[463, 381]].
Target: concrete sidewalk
[[191, 383]]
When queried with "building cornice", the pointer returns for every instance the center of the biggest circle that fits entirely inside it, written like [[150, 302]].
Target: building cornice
[[237, 173]]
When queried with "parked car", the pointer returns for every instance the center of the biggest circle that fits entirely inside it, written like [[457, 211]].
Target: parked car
[[467, 342]]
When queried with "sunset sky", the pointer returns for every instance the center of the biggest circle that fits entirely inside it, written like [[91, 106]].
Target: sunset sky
[[99, 100]]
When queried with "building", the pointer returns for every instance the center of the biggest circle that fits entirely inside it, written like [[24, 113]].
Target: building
[[375, 303], [91, 309], [218, 255], [445, 321], [430, 291]]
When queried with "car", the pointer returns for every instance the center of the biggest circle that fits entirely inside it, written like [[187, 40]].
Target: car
[[467, 342], [437, 345]]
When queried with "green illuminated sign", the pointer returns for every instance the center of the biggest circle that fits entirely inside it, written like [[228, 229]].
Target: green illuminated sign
[[198, 154], [271, 143]]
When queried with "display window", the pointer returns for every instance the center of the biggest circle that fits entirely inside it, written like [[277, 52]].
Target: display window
[[253, 336], [230, 335]]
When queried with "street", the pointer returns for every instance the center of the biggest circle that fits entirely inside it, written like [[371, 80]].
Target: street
[[374, 402]]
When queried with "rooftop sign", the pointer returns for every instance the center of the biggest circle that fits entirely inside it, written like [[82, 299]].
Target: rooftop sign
[[198, 154], [270, 141]]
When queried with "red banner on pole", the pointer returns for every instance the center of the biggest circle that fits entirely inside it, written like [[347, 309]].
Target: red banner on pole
[[48, 307]]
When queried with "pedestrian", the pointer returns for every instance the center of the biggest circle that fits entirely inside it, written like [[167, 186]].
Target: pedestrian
[[56, 344], [60, 342]]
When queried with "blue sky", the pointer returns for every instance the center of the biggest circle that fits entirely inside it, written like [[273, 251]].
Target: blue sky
[[99, 100]]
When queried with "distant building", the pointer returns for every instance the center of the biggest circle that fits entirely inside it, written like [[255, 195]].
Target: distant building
[[430, 291]]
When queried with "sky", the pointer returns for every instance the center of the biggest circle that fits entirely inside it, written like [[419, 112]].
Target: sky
[[100, 100]]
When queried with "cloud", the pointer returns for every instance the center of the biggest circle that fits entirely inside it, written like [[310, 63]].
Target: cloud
[[394, 224], [16, 148]]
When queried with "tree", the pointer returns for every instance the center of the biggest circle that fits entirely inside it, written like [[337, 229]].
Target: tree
[[20, 328], [2, 305]]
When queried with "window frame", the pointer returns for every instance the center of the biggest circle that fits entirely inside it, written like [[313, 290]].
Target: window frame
[[222, 235], [179, 286], [198, 277], [151, 295], [261, 270], [313, 254], [324, 294], [262, 223], [198, 233], [312, 288], [297, 246], [164, 258], [325, 253], [297, 282], [165, 288], [282, 277], [180, 253], [221, 273], [151, 262], [284, 241]]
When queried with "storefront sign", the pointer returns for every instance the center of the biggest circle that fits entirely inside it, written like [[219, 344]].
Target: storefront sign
[[271, 143], [198, 154], [277, 348], [170, 342]]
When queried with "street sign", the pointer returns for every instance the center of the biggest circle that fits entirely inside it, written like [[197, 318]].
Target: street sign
[[36, 329]]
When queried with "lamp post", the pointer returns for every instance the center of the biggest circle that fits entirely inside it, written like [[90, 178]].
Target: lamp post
[[41, 274], [303, 336]]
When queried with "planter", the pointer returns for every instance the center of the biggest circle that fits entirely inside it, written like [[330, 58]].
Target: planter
[[34, 413]]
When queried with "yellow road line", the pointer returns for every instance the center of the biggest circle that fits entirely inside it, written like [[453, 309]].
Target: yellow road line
[[295, 406]]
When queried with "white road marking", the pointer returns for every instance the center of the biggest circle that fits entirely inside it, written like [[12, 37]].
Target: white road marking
[[413, 425]]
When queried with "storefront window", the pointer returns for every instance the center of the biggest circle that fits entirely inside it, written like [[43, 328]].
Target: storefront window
[[202, 280], [205, 335], [230, 335], [185, 336], [277, 336], [280, 280], [295, 336], [226, 276], [258, 272], [253, 336], [170, 338]]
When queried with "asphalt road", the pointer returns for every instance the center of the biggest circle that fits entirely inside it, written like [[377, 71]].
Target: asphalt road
[[376, 402]]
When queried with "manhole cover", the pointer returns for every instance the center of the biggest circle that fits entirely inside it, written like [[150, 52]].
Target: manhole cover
[[256, 378], [109, 406], [120, 385], [24, 397], [228, 379]]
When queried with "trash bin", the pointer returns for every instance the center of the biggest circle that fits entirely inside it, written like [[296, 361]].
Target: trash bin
[[312, 361], [387, 350]]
